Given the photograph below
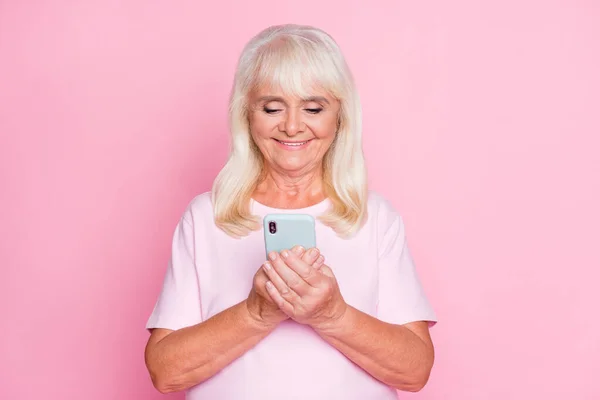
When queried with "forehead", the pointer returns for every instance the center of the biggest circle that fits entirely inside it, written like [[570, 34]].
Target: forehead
[[268, 92], [298, 80], [294, 70]]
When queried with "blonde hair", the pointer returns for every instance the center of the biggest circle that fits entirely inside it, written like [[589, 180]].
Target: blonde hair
[[293, 58]]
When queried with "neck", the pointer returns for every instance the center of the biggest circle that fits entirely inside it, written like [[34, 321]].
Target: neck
[[281, 190]]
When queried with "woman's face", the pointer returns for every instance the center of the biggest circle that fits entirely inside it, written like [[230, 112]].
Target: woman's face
[[293, 134]]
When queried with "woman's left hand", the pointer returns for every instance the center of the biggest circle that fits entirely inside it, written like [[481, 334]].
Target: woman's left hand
[[308, 294]]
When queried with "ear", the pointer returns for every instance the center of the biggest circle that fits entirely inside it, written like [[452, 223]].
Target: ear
[[340, 118]]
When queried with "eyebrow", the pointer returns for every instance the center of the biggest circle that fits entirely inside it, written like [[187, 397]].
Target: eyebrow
[[317, 99]]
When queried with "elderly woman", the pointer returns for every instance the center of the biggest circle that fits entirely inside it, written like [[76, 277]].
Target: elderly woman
[[346, 320]]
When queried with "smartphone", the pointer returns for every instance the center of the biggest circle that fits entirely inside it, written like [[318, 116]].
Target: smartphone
[[284, 231]]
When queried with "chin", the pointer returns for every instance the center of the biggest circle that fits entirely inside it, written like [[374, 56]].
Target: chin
[[293, 168]]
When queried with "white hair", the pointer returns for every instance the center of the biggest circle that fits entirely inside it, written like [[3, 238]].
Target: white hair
[[294, 58]]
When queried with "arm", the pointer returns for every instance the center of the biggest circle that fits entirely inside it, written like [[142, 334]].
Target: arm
[[401, 356], [184, 349], [178, 360]]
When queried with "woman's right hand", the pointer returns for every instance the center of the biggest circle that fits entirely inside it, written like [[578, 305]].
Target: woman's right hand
[[260, 305]]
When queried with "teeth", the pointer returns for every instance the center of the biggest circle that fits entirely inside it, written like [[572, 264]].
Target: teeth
[[293, 144]]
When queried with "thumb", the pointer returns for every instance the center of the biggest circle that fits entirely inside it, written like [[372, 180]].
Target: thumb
[[325, 270]]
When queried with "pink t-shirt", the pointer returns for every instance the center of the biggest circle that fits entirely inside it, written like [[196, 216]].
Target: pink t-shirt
[[210, 272]]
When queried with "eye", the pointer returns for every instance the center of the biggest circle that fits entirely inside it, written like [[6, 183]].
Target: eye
[[271, 110], [313, 110]]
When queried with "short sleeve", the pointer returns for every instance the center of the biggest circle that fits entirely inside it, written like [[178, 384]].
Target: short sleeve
[[178, 304], [401, 295]]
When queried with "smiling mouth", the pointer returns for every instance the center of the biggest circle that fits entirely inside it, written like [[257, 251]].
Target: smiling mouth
[[293, 144]]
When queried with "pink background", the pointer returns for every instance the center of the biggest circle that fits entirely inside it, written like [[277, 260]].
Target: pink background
[[481, 125]]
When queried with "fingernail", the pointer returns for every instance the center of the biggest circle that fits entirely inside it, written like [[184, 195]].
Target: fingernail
[[313, 252], [273, 256], [298, 250], [320, 260], [285, 254], [267, 266]]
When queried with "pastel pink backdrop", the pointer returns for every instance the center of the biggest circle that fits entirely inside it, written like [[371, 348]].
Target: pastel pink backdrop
[[481, 125]]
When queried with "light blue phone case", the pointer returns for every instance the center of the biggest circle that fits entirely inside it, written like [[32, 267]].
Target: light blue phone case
[[291, 230]]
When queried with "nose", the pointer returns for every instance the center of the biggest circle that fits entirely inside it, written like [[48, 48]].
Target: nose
[[292, 123]]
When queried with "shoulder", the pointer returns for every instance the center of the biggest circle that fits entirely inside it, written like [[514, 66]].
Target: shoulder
[[383, 217], [199, 209], [381, 209]]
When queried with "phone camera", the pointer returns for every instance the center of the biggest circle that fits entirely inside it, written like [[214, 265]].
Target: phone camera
[[272, 227]]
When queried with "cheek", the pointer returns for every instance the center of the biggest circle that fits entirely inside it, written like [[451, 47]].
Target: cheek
[[326, 129], [260, 127]]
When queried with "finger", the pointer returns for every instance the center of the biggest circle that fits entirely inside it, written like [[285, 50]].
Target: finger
[[325, 270], [260, 277], [305, 271], [278, 299], [319, 263], [299, 251], [310, 256], [282, 287], [289, 276]]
